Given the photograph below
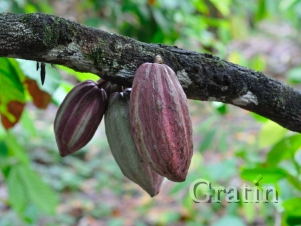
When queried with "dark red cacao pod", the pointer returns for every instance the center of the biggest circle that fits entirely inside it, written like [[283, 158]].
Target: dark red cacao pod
[[160, 121], [122, 145], [79, 116]]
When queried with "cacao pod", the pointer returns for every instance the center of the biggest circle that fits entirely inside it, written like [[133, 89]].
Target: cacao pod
[[109, 87], [79, 116], [118, 131], [160, 121]]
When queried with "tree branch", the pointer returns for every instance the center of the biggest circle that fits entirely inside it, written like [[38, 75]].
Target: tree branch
[[113, 57]]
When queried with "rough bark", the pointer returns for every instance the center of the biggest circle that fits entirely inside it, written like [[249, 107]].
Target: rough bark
[[114, 57]]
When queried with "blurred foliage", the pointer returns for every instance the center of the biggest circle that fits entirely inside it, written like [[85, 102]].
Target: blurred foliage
[[232, 147]]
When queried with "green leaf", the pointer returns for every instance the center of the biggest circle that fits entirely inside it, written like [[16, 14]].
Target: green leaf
[[222, 6], [169, 217], [223, 109], [293, 206], [236, 57], [4, 158], [28, 124], [181, 186], [115, 222], [31, 214], [284, 149], [262, 10], [229, 220], [25, 186], [259, 118], [222, 144], [220, 107], [61, 92], [294, 75], [207, 124], [294, 181], [286, 4], [14, 66], [208, 138], [93, 22], [222, 171], [15, 149], [52, 80], [16, 189], [11, 86], [160, 20], [249, 210], [293, 220], [2, 131], [178, 187], [269, 175], [39, 193], [258, 63], [29, 8], [3, 150], [270, 134], [201, 6], [79, 75], [297, 157]]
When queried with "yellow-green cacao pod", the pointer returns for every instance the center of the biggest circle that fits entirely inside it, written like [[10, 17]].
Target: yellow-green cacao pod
[[122, 145]]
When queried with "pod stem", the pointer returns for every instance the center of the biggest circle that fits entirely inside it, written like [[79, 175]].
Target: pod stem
[[158, 59]]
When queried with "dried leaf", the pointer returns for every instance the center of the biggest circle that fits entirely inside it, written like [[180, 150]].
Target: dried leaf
[[151, 2], [41, 99], [15, 108]]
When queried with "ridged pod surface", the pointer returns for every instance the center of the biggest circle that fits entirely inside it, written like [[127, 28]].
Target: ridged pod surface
[[109, 87], [79, 116], [123, 148], [160, 121]]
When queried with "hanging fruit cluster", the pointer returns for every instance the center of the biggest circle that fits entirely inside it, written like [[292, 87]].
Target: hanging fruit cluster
[[148, 127]]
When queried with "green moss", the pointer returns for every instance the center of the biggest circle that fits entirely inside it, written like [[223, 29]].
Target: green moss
[[220, 63], [95, 55], [216, 62], [98, 54], [26, 18], [115, 64], [49, 30], [51, 36]]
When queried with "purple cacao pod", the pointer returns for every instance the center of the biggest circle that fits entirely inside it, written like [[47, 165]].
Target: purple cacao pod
[[122, 145], [79, 116], [160, 121]]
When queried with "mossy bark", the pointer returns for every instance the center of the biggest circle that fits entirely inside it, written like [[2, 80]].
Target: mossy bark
[[51, 39]]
